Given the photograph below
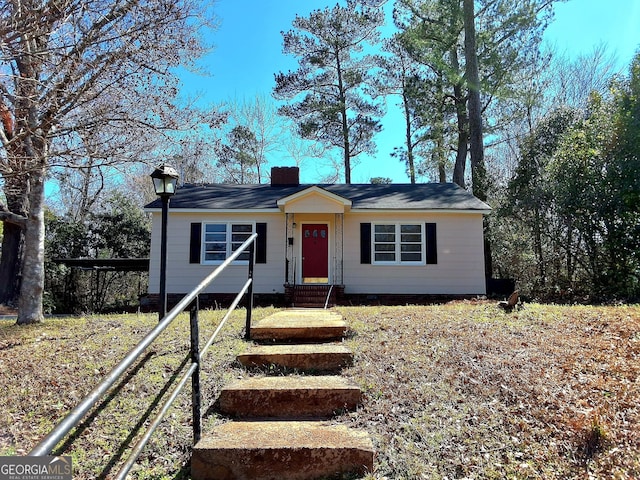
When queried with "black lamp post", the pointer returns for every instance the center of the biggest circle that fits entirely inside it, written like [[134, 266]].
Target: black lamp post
[[164, 179]]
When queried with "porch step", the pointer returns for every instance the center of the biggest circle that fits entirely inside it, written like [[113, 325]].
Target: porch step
[[324, 357], [309, 304], [312, 298], [289, 397], [302, 325], [313, 295], [281, 450], [275, 436]]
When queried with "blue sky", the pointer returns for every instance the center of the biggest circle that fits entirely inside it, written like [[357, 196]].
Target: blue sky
[[248, 51]]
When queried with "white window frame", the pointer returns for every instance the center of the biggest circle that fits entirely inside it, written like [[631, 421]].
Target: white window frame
[[397, 251], [228, 241]]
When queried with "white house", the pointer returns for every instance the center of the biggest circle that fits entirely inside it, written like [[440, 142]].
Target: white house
[[359, 241]]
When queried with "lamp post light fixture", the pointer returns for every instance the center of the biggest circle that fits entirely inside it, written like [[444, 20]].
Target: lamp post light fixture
[[164, 179]]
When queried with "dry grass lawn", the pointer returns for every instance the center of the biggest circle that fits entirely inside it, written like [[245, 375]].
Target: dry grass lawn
[[461, 390]]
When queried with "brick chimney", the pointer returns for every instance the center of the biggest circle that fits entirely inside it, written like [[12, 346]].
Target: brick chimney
[[285, 176]]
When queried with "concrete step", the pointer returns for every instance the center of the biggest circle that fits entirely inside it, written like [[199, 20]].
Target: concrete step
[[281, 450], [322, 357], [312, 300], [303, 325], [289, 397]]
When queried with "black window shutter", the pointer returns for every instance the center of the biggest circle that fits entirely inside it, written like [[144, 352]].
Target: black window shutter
[[261, 243], [195, 243], [365, 243], [432, 245]]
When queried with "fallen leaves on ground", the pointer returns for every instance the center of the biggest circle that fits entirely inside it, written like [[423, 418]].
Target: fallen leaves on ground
[[464, 390], [461, 390]]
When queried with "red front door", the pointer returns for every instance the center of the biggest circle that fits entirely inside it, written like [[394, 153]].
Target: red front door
[[315, 253]]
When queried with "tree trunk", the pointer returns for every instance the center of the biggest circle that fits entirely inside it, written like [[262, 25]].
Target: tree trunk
[[15, 188], [10, 262], [411, 168], [476, 146], [439, 128], [463, 124], [31, 292], [463, 136], [537, 245], [347, 154], [345, 134], [345, 122]]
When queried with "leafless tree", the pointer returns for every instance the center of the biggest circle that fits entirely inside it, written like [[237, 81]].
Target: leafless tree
[[573, 80], [82, 79]]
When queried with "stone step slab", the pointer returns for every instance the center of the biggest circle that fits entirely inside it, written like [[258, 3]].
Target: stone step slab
[[302, 325], [323, 357], [281, 450], [289, 397]]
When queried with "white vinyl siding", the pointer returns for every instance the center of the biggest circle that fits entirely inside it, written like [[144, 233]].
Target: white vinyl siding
[[460, 253], [460, 257], [219, 240], [398, 243], [183, 276]]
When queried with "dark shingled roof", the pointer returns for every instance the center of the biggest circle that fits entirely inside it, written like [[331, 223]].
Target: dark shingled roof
[[394, 196]]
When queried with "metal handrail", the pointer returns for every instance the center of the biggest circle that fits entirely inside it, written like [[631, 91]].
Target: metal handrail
[[74, 417], [326, 303]]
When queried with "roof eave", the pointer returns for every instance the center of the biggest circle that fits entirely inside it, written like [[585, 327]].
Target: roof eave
[[353, 210], [422, 210], [215, 210]]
